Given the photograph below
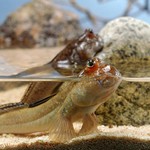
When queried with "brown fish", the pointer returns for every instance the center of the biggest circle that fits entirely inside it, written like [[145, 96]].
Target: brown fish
[[71, 60], [75, 101]]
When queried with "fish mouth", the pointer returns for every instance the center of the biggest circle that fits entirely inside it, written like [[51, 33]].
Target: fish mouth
[[108, 81], [109, 77]]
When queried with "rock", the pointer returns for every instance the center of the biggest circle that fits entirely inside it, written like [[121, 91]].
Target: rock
[[127, 46], [38, 24]]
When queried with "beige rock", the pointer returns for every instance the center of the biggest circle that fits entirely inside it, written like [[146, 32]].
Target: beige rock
[[127, 46]]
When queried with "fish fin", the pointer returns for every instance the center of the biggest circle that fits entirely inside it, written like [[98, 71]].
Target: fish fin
[[40, 90], [39, 102], [61, 129], [90, 124], [44, 69], [12, 106]]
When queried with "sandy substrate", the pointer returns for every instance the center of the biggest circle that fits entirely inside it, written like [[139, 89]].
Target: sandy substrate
[[124, 136]]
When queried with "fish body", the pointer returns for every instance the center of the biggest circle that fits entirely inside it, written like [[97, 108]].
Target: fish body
[[75, 101], [70, 61]]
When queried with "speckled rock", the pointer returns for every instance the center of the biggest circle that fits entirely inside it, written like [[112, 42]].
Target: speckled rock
[[38, 24], [127, 46]]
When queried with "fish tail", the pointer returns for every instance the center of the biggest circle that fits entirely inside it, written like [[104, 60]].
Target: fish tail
[[61, 129]]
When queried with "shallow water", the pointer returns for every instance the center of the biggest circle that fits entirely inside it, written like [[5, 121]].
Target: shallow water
[[13, 62]]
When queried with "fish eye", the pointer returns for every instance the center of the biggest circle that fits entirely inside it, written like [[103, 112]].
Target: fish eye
[[90, 63], [90, 35]]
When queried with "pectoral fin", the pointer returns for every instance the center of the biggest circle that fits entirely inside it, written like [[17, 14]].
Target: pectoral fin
[[39, 102], [90, 124], [61, 129]]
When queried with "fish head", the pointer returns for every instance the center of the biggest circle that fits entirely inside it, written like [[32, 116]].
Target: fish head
[[101, 81], [89, 44], [73, 57]]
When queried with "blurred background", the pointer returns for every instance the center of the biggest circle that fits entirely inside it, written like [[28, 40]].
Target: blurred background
[[45, 23], [90, 12]]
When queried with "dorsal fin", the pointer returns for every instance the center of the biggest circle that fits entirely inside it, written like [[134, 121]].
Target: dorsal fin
[[39, 102], [12, 106], [40, 90]]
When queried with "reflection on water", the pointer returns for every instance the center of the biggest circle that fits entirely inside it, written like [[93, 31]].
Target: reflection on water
[[130, 68], [6, 68], [9, 72], [15, 61]]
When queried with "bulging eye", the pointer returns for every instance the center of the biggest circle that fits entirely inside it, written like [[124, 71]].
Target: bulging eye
[[90, 63], [92, 67], [91, 35]]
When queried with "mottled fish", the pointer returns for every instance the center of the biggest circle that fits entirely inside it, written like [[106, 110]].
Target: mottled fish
[[70, 61], [75, 101]]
